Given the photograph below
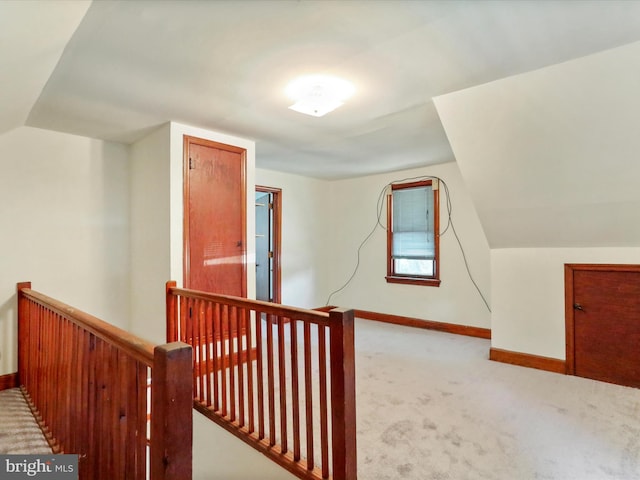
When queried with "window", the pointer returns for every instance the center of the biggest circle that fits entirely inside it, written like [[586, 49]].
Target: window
[[412, 234]]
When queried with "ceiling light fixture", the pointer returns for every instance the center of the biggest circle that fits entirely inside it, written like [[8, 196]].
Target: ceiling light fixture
[[318, 95]]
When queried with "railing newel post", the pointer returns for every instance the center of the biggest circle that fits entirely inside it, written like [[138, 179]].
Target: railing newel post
[[171, 412], [343, 394], [23, 340]]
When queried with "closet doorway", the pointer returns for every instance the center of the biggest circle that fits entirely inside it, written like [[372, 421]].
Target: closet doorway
[[603, 322], [268, 233]]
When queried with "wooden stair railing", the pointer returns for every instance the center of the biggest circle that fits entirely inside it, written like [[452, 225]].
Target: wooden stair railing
[[282, 379], [121, 404]]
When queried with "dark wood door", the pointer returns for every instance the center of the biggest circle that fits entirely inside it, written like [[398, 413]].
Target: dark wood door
[[603, 323], [215, 218]]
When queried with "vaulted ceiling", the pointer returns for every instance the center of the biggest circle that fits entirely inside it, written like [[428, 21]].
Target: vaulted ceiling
[[123, 68]]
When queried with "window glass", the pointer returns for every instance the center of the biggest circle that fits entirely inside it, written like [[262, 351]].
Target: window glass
[[412, 234]]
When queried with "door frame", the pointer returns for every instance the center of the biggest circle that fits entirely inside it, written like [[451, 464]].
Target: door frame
[[277, 238], [569, 311], [189, 140]]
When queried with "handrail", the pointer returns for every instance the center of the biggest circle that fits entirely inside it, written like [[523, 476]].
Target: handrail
[[280, 378], [138, 348], [119, 402], [314, 316]]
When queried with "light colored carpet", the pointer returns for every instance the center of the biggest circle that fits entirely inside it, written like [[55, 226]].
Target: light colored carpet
[[19, 432], [431, 406]]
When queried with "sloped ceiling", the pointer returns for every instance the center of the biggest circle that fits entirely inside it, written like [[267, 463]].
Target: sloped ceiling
[[552, 157], [130, 66], [33, 36]]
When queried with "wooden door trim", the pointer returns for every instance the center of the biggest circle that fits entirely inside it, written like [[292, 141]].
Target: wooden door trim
[[187, 142], [277, 237], [569, 312], [569, 319]]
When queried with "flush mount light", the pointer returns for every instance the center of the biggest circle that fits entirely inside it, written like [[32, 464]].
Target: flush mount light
[[318, 95]]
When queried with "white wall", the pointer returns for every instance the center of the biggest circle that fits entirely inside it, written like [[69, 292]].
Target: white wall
[[306, 234], [150, 239], [65, 217], [353, 215], [551, 156], [219, 455], [528, 294]]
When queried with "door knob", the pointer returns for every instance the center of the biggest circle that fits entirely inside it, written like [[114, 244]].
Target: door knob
[[577, 306]]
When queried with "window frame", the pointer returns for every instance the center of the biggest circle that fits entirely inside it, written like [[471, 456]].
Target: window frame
[[392, 276]]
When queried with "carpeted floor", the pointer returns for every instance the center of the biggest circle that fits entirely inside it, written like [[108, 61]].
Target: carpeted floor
[[19, 432], [430, 406]]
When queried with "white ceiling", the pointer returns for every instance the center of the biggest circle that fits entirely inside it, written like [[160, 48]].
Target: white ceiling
[[223, 65]]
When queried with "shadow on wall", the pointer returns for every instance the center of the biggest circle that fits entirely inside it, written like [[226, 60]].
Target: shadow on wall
[[108, 245], [8, 336]]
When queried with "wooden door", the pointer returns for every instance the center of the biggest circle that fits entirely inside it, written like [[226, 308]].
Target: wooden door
[[603, 322], [215, 217]]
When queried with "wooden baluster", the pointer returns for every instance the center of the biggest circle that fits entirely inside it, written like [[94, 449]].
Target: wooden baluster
[[51, 372], [78, 388], [241, 331], [92, 456], [72, 390], [99, 461], [184, 315], [208, 344], [190, 321], [55, 376], [324, 437], [197, 352], [232, 332], [38, 382], [308, 394], [295, 394], [224, 321], [85, 389], [260, 373], [142, 393], [282, 383], [113, 428], [270, 382], [42, 381], [172, 312], [131, 419], [106, 402], [24, 337], [66, 357], [249, 347], [216, 338]]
